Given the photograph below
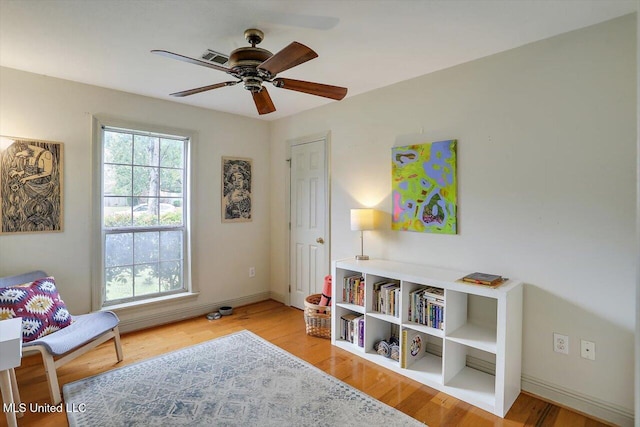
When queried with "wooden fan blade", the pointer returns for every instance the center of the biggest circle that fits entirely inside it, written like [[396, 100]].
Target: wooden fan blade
[[318, 89], [191, 60], [292, 55], [203, 89], [263, 101]]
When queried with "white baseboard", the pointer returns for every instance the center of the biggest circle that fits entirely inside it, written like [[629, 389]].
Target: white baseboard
[[277, 296], [194, 310], [580, 402]]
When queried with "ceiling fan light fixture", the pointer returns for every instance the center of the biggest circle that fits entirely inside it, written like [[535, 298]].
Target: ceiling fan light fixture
[[252, 84]]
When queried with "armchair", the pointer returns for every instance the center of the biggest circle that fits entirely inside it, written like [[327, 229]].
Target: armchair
[[85, 333]]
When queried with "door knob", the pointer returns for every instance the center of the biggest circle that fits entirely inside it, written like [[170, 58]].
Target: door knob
[[320, 240]]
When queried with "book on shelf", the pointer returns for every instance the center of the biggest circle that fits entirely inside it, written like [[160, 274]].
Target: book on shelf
[[353, 290], [426, 307], [484, 279], [386, 298], [414, 347], [352, 328]]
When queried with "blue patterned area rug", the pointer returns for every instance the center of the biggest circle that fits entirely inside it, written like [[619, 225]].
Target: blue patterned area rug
[[236, 380]]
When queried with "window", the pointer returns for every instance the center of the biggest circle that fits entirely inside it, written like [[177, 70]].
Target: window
[[143, 221]]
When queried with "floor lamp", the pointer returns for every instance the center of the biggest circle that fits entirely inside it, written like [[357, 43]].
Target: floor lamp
[[362, 219]]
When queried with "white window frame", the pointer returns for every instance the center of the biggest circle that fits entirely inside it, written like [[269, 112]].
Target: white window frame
[[98, 267]]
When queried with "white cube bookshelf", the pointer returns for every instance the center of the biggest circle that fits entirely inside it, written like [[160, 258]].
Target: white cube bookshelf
[[482, 330]]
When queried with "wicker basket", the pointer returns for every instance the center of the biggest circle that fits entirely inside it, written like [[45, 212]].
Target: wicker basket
[[317, 317]]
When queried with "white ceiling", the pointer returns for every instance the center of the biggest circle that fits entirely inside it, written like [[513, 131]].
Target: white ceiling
[[362, 44]]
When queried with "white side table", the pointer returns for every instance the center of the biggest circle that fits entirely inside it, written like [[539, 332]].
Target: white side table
[[10, 357]]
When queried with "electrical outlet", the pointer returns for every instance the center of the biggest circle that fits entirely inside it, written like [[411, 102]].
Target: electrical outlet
[[560, 343], [252, 272], [588, 349]]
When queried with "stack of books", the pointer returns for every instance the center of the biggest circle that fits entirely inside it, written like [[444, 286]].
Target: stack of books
[[352, 328], [426, 307], [353, 290], [484, 279], [386, 298]]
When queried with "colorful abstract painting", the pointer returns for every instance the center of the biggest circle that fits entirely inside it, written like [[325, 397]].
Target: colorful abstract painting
[[424, 188]]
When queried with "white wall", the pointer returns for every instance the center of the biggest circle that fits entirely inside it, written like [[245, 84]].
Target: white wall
[[546, 179], [40, 107]]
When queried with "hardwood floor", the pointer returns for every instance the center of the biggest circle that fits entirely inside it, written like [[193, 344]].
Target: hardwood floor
[[284, 327]]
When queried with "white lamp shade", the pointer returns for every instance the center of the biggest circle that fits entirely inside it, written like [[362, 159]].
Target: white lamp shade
[[362, 219]]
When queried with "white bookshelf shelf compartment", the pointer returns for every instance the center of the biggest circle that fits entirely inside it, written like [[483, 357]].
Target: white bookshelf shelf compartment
[[385, 317], [384, 361], [478, 323], [475, 336], [475, 386], [346, 345], [425, 329], [427, 370], [351, 307]]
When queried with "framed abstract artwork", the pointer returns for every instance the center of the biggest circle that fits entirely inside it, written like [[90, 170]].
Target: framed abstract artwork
[[236, 189], [424, 187], [31, 184]]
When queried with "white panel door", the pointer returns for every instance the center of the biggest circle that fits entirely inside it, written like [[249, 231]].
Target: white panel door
[[309, 246]]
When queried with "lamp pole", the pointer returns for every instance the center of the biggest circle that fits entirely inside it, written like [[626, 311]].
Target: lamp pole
[[362, 256]]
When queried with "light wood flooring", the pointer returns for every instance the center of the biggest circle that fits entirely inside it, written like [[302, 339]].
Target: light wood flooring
[[285, 327]]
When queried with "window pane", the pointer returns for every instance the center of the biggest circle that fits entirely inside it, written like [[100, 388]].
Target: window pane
[[170, 245], [146, 279], [146, 150], [145, 213], [170, 211], [118, 250], [146, 181], [171, 182], [117, 180], [143, 184], [171, 153], [119, 282], [117, 211], [146, 247], [171, 276], [117, 147]]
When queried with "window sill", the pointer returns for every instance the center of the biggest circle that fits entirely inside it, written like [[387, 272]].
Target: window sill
[[158, 301]]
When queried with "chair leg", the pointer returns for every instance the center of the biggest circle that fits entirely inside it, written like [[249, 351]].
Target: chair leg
[[52, 378], [14, 389], [117, 343], [9, 405]]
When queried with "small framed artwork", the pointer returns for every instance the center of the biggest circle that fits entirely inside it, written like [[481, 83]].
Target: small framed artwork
[[30, 185], [236, 189]]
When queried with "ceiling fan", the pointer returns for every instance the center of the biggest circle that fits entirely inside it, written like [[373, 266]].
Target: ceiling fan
[[254, 66]]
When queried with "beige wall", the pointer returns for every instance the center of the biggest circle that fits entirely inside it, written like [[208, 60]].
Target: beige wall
[[546, 178], [40, 107]]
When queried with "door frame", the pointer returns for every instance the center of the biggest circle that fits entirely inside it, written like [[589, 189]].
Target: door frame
[[326, 137]]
